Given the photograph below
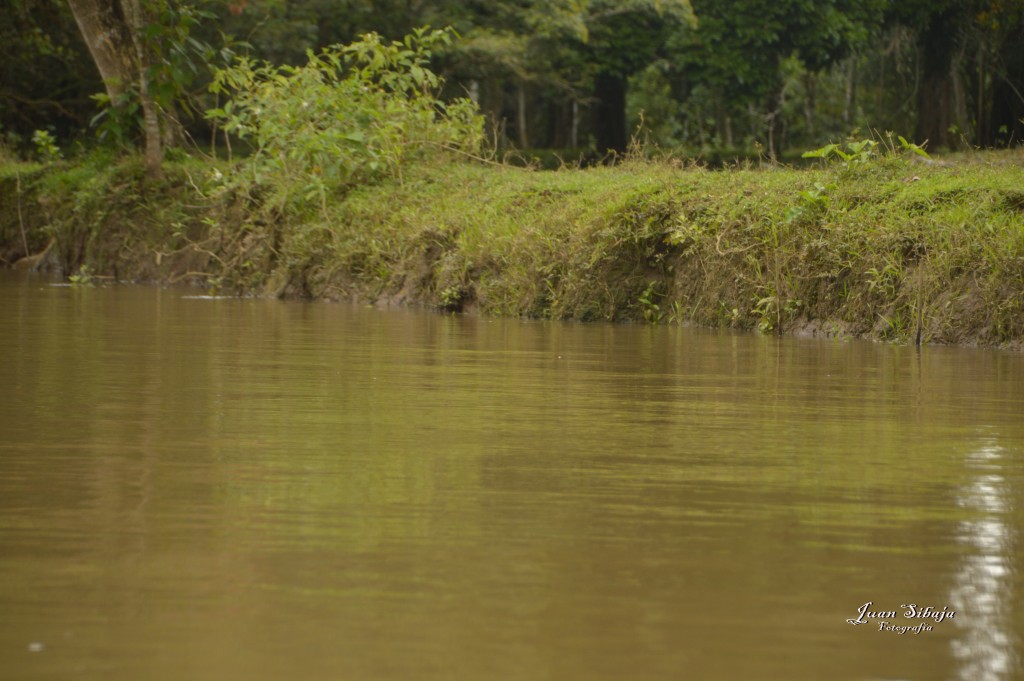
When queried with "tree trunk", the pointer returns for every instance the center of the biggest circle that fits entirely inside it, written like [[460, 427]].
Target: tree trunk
[[981, 137], [941, 103], [114, 32], [850, 97], [151, 127], [106, 35], [136, 19], [574, 134], [610, 91], [524, 140], [936, 111], [850, 102], [810, 102], [774, 126]]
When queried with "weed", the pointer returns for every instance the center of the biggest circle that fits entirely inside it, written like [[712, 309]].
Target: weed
[[812, 203], [46, 146], [450, 298], [84, 277], [887, 279], [651, 310], [859, 152]]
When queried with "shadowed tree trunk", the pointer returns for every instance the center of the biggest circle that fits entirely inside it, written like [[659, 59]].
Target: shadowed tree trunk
[[850, 100], [773, 124], [935, 110], [810, 101], [610, 92], [941, 106], [524, 139]]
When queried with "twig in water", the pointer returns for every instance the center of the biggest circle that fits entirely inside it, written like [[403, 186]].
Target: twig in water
[[175, 280], [920, 304], [21, 221]]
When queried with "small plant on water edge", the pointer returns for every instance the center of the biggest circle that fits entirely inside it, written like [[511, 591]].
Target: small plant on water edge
[[450, 298], [766, 308], [651, 310], [83, 278], [676, 312]]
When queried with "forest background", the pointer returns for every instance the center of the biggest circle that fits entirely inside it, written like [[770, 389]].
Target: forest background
[[571, 79]]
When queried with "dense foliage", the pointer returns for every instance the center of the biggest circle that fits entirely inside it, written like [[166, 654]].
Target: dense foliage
[[709, 77]]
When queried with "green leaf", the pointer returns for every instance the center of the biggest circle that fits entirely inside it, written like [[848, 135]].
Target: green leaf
[[823, 152]]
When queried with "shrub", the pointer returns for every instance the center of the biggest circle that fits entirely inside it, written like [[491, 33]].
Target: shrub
[[352, 115]]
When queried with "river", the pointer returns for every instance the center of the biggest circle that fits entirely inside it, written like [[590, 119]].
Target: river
[[225, 489]]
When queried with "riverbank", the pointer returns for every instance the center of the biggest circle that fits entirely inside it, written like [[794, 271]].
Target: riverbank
[[891, 248]]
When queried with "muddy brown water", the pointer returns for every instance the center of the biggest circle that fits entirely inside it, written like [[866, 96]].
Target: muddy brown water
[[225, 489]]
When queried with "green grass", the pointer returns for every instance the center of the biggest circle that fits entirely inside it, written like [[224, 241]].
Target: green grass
[[881, 250]]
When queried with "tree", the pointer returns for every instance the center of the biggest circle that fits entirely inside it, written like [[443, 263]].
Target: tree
[[624, 37], [958, 99], [999, 72], [532, 65], [558, 72], [579, 51], [115, 33], [941, 103], [738, 50]]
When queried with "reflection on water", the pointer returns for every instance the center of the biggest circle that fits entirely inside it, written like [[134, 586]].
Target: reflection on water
[[261, 490], [983, 587]]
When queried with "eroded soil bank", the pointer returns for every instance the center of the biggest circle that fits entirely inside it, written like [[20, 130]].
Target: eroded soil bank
[[890, 249]]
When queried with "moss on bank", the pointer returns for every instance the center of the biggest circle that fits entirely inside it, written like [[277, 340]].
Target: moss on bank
[[884, 249]]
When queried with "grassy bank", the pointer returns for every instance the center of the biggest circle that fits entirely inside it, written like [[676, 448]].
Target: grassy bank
[[883, 249]]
